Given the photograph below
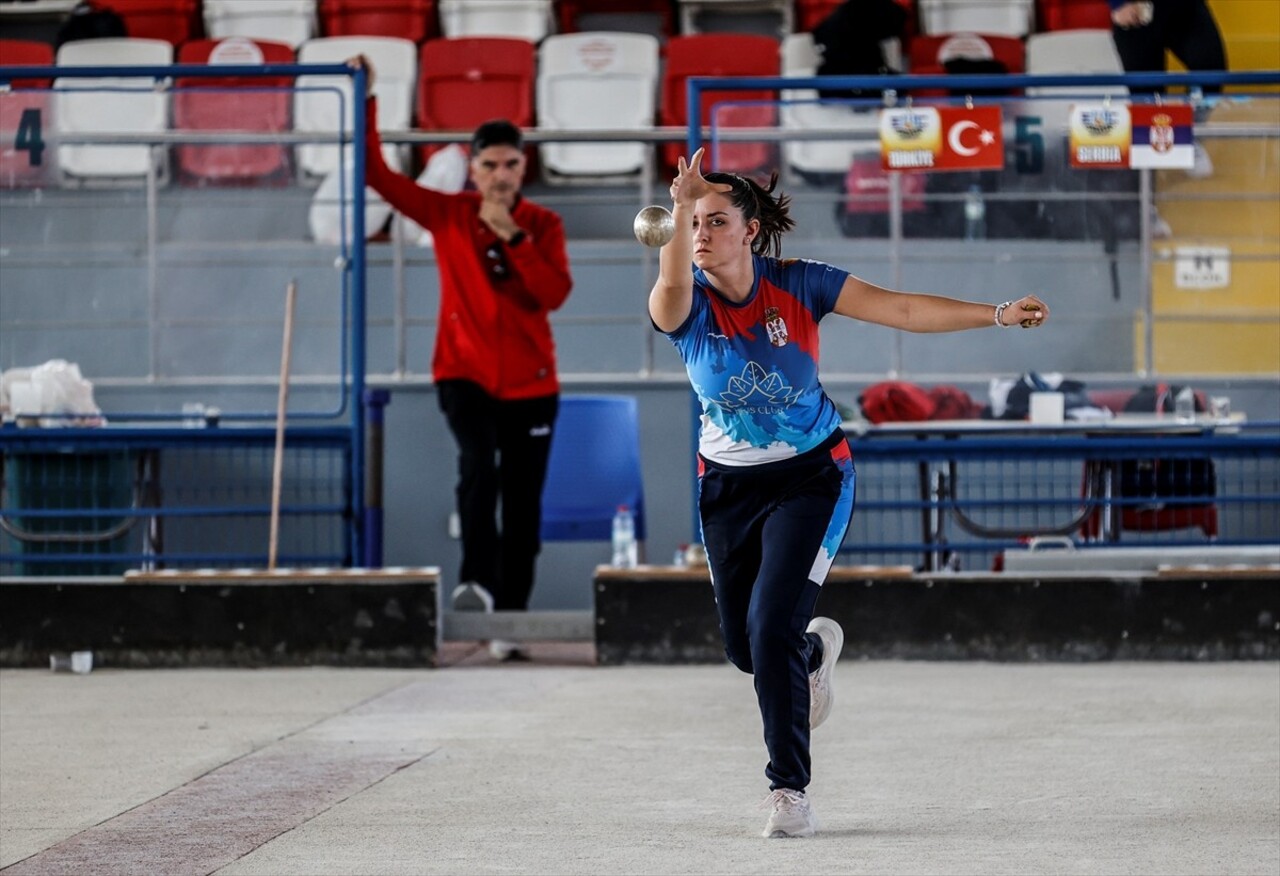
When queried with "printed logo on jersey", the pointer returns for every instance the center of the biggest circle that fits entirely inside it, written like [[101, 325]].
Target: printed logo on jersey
[[756, 391], [776, 328]]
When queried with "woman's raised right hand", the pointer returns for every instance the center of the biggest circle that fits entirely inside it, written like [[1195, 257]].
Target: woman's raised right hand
[[689, 184]]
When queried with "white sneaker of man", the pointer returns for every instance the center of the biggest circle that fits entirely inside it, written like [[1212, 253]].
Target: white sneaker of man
[[1202, 166], [470, 596], [792, 815], [821, 696], [507, 652]]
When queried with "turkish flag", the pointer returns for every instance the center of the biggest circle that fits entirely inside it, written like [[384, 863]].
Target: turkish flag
[[972, 139], [941, 138]]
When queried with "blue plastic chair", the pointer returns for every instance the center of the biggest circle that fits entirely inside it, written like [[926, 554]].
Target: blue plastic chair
[[594, 468]]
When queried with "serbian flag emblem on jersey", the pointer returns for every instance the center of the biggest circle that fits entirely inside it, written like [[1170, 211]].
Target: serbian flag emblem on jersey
[[1162, 136], [941, 138]]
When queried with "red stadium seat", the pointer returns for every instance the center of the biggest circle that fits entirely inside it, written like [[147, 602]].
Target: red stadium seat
[[174, 21], [465, 81], [811, 13], [413, 20], [233, 104], [26, 53], [721, 54], [16, 163], [1072, 14], [569, 11]]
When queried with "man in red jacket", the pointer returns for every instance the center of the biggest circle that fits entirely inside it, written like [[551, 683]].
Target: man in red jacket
[[503, 268]]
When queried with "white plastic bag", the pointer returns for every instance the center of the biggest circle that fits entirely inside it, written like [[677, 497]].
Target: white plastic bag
[[55, 388], [327, 214], [446, 171]]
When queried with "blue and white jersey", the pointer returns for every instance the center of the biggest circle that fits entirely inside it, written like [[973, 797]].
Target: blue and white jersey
[[754, 365]]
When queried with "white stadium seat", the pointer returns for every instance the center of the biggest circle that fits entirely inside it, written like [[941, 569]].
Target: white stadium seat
[[282, 21], [800, 58], [999, 17], [111, 105], [596, 81], [523, 19], [317, 107]]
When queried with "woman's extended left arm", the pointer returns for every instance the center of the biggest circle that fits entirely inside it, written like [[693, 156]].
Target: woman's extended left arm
[[915, 312]]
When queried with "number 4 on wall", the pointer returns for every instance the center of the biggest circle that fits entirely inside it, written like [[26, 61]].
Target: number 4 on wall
[[29, 137]]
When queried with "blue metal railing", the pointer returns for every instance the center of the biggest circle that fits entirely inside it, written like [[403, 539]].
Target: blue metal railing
[[939, 498], [895, 87], [98, 500], [353, 319]]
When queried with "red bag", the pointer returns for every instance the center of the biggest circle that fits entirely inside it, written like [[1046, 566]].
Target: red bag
[[953, 403], [895, 401], [866, 187]]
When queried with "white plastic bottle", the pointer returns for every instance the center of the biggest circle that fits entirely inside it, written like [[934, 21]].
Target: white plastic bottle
[[1184, 405], [975, 214], [624, 539]]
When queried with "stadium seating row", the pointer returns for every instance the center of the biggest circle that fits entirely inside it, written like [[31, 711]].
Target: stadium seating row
[[296, 21], [584, 81]]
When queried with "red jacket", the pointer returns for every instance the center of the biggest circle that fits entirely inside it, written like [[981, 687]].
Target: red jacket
[[493, 332]]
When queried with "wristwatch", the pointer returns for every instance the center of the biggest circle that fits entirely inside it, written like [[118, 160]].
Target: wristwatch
[[517, 238]]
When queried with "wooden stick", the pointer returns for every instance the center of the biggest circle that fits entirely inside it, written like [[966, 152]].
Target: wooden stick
[[277, 464]]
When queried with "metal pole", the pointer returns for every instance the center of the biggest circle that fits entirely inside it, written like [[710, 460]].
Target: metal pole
[[1146, 206], [376, 401], [650, 261], [153, 281], [358, 310], [895, 259]]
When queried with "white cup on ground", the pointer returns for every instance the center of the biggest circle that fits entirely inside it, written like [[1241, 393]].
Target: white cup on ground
[[1047, 408], [82, 662]]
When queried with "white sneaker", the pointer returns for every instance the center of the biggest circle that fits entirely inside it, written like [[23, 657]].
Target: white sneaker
[[792, 815], [1202, 166], [821, 696], [470, 596], [1160, 229], [506, 652]]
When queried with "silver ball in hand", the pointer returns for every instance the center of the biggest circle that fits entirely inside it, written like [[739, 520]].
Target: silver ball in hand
[[654, 226]]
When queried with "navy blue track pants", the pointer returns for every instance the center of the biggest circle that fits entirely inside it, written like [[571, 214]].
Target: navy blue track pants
[[771, 532]]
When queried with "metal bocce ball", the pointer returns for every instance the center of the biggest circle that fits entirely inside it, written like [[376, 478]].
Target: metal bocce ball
[[654, 226]]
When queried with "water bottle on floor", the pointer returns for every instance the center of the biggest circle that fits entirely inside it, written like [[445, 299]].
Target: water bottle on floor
[[624, 539]]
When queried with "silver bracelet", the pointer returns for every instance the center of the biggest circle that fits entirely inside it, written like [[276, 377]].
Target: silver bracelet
[[1000, 312]]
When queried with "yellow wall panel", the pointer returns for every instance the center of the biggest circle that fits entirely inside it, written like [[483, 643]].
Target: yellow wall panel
[[1254, 290], [1247, 17], [1250, 33], [1212, 348]]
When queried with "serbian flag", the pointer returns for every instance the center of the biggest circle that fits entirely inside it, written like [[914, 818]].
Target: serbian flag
[[1098, 136], [941, 138], [1162, 136]]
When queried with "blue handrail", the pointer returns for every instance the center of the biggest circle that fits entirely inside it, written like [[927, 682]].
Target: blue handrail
[[695, 85]]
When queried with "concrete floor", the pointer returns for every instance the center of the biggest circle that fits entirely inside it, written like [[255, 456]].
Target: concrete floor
[[559, 766]]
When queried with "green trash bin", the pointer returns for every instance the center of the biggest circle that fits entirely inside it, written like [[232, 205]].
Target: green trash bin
[[73, 481]]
